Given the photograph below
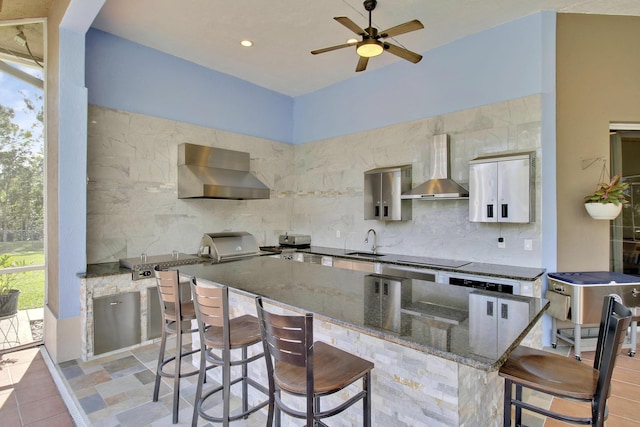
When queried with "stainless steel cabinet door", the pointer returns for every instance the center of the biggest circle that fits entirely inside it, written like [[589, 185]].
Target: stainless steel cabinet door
[[514, 191], [483, 324], [116, 322], [500, 189], [483, 190]]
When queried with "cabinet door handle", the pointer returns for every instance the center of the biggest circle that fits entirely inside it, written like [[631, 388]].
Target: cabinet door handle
[[386, 288], [115, 302], [504, 311], [505, 211], [489, 211], [377, 211], [376, 287], [386, 211], [490, 308]]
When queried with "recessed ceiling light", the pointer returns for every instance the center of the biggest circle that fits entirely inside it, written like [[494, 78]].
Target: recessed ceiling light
[[246, 43]]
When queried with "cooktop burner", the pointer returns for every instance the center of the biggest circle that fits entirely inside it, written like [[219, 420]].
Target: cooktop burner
[[434, 262]]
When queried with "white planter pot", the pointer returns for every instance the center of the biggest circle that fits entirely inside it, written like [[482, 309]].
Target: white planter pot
[[603, 210]]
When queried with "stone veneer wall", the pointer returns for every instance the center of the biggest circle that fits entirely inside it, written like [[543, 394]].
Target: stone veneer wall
[[132, 203], [316, 187], [329, 184]]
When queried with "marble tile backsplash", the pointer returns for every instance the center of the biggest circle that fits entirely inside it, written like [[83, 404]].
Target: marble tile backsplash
[[316, 188]]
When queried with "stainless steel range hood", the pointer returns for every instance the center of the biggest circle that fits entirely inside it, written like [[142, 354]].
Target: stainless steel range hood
[[439, 186], [216, 173]]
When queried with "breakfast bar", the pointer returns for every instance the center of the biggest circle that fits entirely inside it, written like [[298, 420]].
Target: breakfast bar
[[436, 352]]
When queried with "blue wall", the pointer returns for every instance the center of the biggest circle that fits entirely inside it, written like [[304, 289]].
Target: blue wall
[[498, 64], [495, 65], [131, 77]]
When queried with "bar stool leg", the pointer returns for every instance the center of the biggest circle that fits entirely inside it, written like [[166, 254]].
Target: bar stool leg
[[202, 375], [245, 388], [366, 403], [176, 372], [163, 345], [277, 410], [226, 393], [518, 408], [507, 403]]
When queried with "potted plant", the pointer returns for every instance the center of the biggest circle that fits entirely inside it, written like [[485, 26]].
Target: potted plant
[[8, 294], [607, 201]]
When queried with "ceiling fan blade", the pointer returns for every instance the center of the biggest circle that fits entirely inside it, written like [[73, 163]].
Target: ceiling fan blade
[[362, 63], [350, 24], [403, 53], [329, 49], [402, 28]]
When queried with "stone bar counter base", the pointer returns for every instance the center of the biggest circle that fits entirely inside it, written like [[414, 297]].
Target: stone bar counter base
[[410, 388]]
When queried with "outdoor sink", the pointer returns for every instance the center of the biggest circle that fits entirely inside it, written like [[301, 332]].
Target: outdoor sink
[[367, 254]]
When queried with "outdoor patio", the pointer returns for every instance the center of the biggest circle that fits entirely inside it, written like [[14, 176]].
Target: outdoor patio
[[23, 329]]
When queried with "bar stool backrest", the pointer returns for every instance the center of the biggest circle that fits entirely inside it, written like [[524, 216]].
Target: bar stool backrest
[[169, 292], [288, 339], [212, 311], [212, 303], [613, 327]]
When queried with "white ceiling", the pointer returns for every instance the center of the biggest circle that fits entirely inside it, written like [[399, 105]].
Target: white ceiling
[[208, 32]]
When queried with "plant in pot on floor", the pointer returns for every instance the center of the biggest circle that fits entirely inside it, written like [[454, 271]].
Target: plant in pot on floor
[[608, 199], [8, 294]]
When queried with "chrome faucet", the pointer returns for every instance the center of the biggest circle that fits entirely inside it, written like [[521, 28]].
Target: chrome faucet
[[374, 246]]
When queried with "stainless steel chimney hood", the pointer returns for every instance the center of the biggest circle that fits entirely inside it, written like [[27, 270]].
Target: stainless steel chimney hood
[[439, 186], [216, 173]]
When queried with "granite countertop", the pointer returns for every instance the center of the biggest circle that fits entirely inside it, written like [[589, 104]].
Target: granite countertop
[[103, 269], [426, 316], [458, 266]]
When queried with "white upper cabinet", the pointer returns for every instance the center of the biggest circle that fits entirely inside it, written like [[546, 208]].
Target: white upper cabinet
[[500, 188]]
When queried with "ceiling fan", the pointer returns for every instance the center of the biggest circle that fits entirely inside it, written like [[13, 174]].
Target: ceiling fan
[[372, 43]]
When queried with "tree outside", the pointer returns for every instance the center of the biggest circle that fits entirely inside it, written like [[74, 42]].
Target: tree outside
[[21, 197]]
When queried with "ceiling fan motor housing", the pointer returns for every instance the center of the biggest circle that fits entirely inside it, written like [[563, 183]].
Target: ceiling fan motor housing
[[370, 4]]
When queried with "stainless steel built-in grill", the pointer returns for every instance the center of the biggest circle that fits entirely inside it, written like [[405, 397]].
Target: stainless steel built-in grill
[[577, 298], [142, 267], [229, 246]]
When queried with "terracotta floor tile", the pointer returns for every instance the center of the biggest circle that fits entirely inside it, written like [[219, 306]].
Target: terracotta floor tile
[[42, 409], [10, 417], [624, 408], [60, 420]]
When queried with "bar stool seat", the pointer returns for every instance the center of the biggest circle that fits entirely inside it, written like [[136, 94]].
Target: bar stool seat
[[219, 335], [565, 377], [333, 369], [300, 366], [177, 316]]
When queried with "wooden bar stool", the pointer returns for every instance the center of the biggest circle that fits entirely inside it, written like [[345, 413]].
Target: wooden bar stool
[[218, 336], [302, 367], [566, 377], [176, 316]]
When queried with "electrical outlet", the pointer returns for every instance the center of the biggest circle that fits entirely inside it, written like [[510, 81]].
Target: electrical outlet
[[528, 244], [501, 243], [337, 234]]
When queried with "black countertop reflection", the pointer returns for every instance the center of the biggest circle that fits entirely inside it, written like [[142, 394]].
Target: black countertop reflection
[[422, 315], [457, 266]]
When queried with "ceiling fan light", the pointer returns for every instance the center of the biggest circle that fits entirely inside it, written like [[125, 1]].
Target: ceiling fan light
[[370, 47]]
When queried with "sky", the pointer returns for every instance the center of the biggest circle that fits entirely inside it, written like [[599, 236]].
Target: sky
[[10, 96]]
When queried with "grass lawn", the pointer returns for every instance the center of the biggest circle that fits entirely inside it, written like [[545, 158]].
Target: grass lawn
[[31, 283]]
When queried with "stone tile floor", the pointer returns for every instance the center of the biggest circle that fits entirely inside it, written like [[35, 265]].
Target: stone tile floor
[[116, 390]]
